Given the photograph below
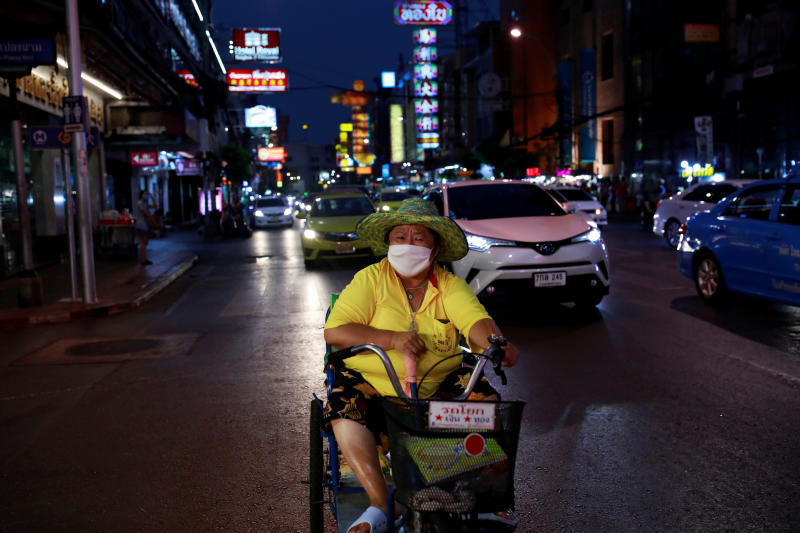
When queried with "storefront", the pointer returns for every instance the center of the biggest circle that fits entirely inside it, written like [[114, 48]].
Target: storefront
[[40, 95]]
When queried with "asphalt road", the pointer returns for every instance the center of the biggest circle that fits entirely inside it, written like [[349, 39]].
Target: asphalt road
[[654, 413]]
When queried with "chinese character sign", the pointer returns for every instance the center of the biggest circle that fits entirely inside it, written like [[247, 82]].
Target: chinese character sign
[[425, 36]]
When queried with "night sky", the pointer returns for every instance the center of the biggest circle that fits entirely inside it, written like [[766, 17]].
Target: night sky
[[324, 43]]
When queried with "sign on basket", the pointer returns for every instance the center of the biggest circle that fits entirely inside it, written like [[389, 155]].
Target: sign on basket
[[461, 415]]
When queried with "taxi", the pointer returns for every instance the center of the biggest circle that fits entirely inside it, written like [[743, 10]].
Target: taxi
[[748, 243], [330, 227]]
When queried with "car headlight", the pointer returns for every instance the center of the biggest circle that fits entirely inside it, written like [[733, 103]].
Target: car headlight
[[593, 235], [309, 234], [259, 213], [482, 244], [287, 211], [385, 208], [598, 211]]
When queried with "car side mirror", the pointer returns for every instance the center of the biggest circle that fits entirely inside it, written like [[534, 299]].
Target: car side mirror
[[300, 214]]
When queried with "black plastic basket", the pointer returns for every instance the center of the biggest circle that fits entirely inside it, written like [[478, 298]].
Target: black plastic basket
[[452, 470]]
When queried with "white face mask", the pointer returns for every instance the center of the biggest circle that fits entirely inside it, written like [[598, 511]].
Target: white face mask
[[408, 259]]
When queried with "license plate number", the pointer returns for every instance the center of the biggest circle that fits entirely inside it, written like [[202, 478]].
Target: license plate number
[[345, 248], [550, 279]]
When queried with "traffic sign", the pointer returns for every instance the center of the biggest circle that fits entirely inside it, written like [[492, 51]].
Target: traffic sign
[[76, 113], [54, 137]]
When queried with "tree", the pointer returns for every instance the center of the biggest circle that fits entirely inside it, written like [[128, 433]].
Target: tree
[[239, 162]]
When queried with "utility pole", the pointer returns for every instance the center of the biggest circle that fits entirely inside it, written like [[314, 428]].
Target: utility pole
[[81, 164]]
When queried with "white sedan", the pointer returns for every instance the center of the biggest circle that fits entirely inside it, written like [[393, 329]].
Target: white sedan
[[582, 203], [673, 211], [522, 242], [272, 211]]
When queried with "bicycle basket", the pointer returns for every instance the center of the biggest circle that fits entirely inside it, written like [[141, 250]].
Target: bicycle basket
[[455, 457]]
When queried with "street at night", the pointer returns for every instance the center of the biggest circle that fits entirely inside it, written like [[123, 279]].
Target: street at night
[[407, 266], [657, 412]]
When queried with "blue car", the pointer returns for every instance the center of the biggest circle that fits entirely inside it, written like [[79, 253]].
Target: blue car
[[748, 243]]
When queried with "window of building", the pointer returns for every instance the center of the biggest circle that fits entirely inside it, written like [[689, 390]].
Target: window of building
[[607, 51], [608, 142]]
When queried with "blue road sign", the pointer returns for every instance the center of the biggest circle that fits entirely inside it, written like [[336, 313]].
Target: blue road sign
[[54, 137], [27, 52]]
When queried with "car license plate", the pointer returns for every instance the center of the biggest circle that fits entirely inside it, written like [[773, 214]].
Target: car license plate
[[345, 248], [550, 279]]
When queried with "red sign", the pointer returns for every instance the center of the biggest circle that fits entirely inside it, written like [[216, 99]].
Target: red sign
[[532, 171], [188, 167], [249, 80], [423, 12], [266, 154], [257, 44], [188, 77], [144, 159]]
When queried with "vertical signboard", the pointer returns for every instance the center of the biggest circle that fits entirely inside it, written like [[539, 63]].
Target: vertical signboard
[[588, 106], [703, 127], [426, 89], [398, 154], [565, 109]]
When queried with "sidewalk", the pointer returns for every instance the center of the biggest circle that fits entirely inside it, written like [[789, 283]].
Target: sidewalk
[[122, 283]]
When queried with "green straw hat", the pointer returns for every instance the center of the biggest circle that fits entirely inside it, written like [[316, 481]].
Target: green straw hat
[[452, 242]]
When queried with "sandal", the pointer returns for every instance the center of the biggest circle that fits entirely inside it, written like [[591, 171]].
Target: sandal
[[507, 518], [374, 517]]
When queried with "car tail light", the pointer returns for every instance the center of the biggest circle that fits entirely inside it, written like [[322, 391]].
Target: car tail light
[[682, 229], [659, 204]]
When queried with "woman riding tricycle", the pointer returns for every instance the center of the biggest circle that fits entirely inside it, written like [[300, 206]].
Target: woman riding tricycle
[[415, 311]]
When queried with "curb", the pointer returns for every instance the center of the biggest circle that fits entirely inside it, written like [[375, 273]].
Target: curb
[[103, 309]]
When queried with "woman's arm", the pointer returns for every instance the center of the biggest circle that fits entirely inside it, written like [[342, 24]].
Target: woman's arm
[[348, 335], [479, 335]]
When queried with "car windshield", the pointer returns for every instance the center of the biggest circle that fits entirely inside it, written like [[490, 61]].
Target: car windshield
[[341, 207], [501, 200], [269, 202], [575, 195], [393, 196]]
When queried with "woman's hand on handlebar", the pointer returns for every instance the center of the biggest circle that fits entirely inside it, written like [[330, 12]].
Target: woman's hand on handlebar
[[408, 342], [511, 355]]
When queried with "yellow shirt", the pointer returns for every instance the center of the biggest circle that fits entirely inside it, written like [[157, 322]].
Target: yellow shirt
[[376, 298]]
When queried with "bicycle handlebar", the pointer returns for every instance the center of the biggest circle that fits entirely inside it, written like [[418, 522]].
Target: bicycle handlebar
[[494, 354]]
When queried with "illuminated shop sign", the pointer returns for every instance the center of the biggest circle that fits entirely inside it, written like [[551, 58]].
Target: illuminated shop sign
[[257, 44], [426, 88], [428, 123], [188, 77], [425, 106], [697, 170], [257, 81], [427, 140], [425, 36], [260, 116], [267, 154], [424, 53], [423, 12], [426, 71], [144, 159], [388, 79]]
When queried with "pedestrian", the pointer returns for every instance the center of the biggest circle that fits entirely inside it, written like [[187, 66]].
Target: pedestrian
[[621, 194], [603, 193], [144, 224]]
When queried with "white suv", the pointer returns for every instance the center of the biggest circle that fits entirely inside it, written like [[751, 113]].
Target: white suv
[[673, 211], [521, 241]]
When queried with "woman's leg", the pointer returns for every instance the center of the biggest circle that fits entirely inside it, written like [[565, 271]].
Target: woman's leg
[[145, 239], [359, 448]]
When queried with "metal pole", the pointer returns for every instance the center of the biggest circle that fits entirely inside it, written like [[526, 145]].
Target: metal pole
[[22, 182], [81, 164], [73, 268]]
